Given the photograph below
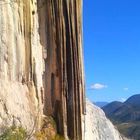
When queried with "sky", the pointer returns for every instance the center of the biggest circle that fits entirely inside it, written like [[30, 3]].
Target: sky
[[111, 38]]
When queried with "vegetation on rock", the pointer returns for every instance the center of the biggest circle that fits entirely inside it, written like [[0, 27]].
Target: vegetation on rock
[[48, 129], [59, 137], [14, 133]]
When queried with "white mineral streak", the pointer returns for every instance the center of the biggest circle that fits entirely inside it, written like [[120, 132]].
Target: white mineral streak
[[21, 62], [14, 105]]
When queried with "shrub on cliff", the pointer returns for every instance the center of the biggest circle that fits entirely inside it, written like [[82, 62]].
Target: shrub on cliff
[[14, 133]]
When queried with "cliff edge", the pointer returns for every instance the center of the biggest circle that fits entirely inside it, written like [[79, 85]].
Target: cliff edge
[[41, 67], [97, 126]]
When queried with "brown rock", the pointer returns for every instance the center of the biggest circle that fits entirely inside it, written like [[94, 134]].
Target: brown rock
[[64, 86]]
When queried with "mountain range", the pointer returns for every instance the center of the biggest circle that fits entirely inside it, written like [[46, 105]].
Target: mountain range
[[126, 116], [100, 104]]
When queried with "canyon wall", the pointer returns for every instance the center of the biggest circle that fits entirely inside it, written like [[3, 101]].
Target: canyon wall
[[41, 68]]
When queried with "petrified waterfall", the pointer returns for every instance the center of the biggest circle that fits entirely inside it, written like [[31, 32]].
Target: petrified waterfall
[[41, 68]]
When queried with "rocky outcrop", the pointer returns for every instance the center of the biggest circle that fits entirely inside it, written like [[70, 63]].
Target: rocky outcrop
[[21, 64], [41, 68], [63, 81], [97, 126]]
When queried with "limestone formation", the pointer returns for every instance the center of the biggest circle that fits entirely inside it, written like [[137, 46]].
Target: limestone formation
[[41, 68], [64, 76], [97, 126]]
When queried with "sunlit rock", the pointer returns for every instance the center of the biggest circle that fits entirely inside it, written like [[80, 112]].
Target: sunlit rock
[[41, 68], [97, 126]]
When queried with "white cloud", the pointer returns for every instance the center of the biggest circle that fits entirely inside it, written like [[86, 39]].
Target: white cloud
[[98, 86], [125, 89]]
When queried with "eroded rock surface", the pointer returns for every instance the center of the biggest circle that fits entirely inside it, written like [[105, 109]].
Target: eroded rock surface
[[97, 126], [64, 86], [41, 68], [21, 64]]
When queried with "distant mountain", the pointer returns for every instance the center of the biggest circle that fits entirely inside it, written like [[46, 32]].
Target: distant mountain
[[111, 107], [100, 104], [134, 100], [126, 116]]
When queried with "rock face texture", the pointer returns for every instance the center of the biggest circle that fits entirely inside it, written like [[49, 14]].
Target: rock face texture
[[64, 71], [97, 126], [21, 64], [41, 68]]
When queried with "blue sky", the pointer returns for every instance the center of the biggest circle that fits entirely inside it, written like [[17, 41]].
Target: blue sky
[[111, 49]]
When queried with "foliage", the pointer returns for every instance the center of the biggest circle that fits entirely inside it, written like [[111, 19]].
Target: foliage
[[40, 135], [48, 129], [14, 133], [59, 137]]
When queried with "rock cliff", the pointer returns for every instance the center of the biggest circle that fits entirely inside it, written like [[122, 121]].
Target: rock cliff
[[41, 68], [97, 126]]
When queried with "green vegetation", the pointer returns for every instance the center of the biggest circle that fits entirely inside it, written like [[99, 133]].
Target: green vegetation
[[48, 129], [14, 133], [40, 135], [59, 137], [130, 129]]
